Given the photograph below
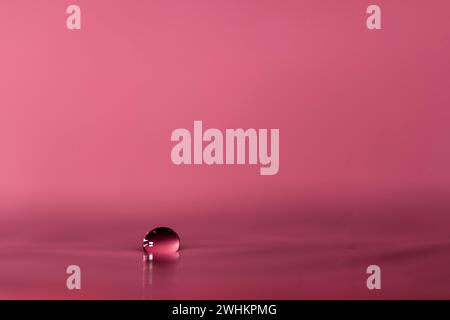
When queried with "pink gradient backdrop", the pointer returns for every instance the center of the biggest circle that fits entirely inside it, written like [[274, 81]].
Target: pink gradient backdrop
[[85, 169]]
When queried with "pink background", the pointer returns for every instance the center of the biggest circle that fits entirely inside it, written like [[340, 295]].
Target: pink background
[[85, 169]]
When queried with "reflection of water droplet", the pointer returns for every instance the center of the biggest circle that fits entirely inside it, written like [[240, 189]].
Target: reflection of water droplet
[[161, 240], [158, 272]]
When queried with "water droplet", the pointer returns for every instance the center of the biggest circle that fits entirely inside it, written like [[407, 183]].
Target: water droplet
[[161, 240]]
